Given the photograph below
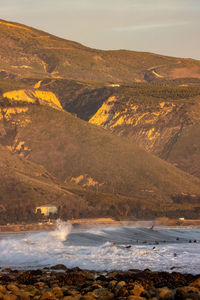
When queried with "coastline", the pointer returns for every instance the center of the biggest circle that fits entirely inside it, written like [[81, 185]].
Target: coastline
[[97, 222], [59, 282]]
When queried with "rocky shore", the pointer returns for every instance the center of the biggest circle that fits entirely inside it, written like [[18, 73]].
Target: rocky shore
[[59, 282]]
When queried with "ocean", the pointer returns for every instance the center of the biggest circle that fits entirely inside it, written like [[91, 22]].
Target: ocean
[[104, 248]]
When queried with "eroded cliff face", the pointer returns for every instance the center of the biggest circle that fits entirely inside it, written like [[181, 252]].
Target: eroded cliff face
[[11, 119], [164, 128], [34, 96], [14, 115]]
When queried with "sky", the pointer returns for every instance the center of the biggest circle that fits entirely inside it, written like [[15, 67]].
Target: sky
[[169, 27]]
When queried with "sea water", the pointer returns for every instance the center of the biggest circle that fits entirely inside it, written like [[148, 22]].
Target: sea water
[[104, 248]]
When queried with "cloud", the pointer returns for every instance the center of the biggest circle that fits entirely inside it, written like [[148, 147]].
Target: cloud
[[151, 26]]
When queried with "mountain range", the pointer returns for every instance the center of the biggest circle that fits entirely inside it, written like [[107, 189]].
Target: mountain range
[[98, 133]]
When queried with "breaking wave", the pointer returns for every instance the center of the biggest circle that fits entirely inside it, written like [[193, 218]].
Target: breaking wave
[[104, 248]]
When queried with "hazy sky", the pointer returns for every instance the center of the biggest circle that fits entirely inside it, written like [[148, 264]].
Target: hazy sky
[[170, 27]]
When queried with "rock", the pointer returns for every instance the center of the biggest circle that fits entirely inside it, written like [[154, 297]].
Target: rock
[[10, 297], [36, 272], [112, 284], [69, 292], [72, 297], [187, 292], [101, 292], [57, 292], [123, 292], [196, 283], [91, 295], [3, 289], [137, 290], [23, 295], [7, 270], [59, 267], [6, 278], [27, 278], [13, 288], [48, 296], [40, 284], [135, 298], [88, 297], [120, 284], [165, 293]]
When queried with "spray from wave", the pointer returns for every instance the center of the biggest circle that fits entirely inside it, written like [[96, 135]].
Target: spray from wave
[[62, 231], [43, 248]]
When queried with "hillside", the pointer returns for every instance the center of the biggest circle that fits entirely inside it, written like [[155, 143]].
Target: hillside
[[25, 185], [86, 159], [27, 52], [163, 120]]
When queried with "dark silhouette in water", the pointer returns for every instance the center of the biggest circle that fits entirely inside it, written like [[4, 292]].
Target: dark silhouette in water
[[127, 247], [152, 227]]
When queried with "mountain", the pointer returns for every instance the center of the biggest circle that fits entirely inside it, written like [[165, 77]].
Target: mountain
[[55, 95], [163, 120], [84, 159], [27, 52]]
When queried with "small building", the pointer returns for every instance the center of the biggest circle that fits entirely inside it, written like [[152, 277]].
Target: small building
[[46, 210]]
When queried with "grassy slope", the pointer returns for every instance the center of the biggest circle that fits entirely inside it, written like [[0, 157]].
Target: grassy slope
[[134, 182], [27, 182], [69, 147]]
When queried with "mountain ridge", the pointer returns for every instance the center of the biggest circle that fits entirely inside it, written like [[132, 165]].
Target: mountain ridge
[[60, 58]]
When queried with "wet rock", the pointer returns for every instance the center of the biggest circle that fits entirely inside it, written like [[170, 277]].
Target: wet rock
[[135, 298], [196, 283], [10, 297], [13, 288], [40, 285], [2, 289], [137, 290], [6, 270], [27, 278], [103, 294], [48, 296], [23, 295], [59, 267], [112, 284], [5, 278], [88, 297], [78, 297], [187, 292], [69, 292], [120, 284], [57, 292], [165, 294], [36, 272]]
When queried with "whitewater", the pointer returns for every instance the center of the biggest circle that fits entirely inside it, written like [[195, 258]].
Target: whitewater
[[104, 248]]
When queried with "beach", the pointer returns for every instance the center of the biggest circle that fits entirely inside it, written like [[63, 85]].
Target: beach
[[101, 259], [95, 222], [59, 282]]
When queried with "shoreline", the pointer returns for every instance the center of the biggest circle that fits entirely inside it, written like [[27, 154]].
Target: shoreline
[[59, 282], [97, 222]]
